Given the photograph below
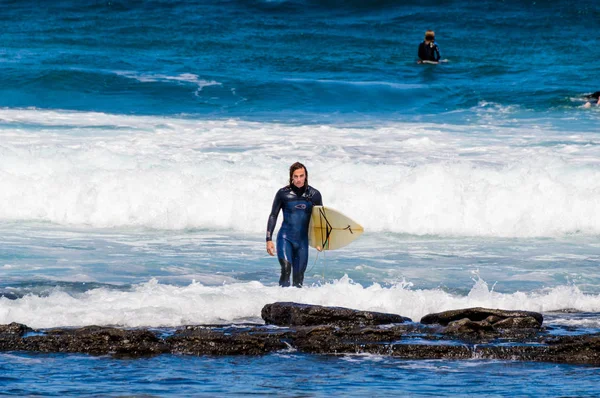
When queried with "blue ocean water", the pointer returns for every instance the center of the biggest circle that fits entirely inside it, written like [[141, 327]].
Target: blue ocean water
[[142, 142]]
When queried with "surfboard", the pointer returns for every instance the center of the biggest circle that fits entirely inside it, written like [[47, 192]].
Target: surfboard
[[331, 229], [441, 61]]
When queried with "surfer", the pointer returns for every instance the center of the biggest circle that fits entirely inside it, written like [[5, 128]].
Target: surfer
[[429, 52], [591, 98], [595, 96], [296, 200]]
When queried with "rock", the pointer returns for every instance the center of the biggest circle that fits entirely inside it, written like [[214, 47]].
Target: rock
[[96, 340], [294, 314], [563, 349], [198, 340], [479, 314], [489, 334], [467, 326], [326, 339], [11, 335], [13, 330], [492, 319], [524, 322]]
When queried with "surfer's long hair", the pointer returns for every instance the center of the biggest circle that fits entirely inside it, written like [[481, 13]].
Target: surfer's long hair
[[297, 166]]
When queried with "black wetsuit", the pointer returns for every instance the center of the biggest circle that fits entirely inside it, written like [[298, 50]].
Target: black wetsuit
[[429, 52], [292, 239]]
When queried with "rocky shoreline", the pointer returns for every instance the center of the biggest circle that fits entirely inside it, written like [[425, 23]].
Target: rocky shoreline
[[457, 334]]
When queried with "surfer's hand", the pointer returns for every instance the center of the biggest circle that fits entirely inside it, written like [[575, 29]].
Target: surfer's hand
[[319, 248], [271, 248]]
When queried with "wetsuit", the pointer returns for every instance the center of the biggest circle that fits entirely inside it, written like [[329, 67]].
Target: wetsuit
[[292, 239], [429, 52]]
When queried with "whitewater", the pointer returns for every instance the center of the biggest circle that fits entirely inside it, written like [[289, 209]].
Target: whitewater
[[158, 305], [103, 170]]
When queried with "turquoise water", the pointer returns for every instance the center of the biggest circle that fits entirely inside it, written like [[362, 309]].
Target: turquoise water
[[141, 145]]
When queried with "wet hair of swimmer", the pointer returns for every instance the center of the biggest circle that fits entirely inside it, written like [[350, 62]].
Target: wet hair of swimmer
[[297, 166], [595, 95]]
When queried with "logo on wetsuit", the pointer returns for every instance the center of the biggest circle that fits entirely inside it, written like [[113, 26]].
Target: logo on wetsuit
[[301, 206]]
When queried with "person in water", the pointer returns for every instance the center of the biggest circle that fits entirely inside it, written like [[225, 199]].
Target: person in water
[[595, 96], [428, 49], [591, 98], [296, 200]]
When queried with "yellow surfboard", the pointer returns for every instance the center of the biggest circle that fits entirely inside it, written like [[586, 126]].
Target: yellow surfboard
[[331, 229]]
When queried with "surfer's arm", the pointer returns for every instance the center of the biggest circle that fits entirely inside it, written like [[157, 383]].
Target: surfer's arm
[[277, 204], [317, 199], [421, 53]]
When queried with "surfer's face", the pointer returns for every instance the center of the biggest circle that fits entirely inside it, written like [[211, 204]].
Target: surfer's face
[[299, 177]]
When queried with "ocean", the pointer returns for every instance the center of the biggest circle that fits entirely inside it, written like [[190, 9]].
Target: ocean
[[142, 143]]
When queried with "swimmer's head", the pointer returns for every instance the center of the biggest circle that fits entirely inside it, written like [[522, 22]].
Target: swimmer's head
[[430, 35]]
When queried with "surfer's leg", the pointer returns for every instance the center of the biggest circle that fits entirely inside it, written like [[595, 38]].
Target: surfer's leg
[[300, 262], [286, 270], [284, 255]]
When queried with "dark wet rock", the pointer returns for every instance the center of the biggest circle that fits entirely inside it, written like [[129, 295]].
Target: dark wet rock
[[498, 319], [199, 340], [484, 334], [330, 339], [564, 349], [96, 340], [486, 324], [574, 349], [518, 322], [13, 330], [466, 325], [11, 335], [294, 314]]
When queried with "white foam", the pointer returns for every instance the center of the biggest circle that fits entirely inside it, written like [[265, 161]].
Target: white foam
[[157, 77], [578, 323], [401, 86], [156, 304], [99, 170]]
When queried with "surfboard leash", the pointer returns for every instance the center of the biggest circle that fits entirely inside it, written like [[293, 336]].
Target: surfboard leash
[[324, 267], [324, 241], [315, 264]]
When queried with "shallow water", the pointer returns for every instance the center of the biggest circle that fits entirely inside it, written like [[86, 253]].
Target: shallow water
[[290, 374]]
